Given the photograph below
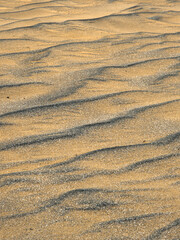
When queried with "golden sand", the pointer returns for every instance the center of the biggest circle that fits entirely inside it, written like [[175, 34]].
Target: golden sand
[[89, 120]]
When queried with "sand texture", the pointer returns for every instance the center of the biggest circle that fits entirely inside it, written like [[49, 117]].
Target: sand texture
[[89, 119]]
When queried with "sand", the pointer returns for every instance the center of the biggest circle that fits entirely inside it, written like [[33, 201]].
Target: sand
[[89, 120]]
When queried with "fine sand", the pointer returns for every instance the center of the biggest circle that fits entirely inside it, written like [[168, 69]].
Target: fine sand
[[89, 119]]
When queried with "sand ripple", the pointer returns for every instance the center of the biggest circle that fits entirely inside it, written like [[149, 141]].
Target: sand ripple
[[89, 119]]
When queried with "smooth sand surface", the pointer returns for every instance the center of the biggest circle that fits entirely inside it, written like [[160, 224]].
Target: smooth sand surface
[[89, 119]]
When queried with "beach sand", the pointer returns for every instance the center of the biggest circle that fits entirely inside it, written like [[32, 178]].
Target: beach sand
[[89, 120]]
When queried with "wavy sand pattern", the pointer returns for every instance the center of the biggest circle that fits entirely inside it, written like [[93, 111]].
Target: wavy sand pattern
[[89, 119]]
